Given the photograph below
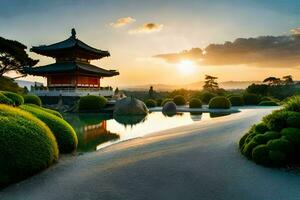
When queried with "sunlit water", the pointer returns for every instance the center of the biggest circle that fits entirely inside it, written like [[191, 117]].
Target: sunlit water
[[95, 131]]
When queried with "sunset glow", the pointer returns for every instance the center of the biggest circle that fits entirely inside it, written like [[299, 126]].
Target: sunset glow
[[186, 67]]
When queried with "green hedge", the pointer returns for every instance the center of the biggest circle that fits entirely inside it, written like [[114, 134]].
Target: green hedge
[[54, 112], [276, 141], [64, 133], [179, 100], [92, 103], [150, 103], [5, 100], [268, 103], [32, 99], [219, 102], [14, 97], [206, 97], [293, 104], [195, 103], [250, 99], [236, 100], [27, 145]]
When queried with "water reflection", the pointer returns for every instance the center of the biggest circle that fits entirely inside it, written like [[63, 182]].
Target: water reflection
[[97, 130]]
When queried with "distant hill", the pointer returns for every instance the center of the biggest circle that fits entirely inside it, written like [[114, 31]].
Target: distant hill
[[193, 86]]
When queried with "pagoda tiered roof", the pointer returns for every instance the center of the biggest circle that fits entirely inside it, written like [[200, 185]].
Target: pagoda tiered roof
[[69, 67], [70, 47]]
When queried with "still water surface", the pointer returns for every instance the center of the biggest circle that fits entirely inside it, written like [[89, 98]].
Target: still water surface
[[95, 131]]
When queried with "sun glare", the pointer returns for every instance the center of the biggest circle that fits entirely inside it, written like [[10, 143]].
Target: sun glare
[[186, 67]]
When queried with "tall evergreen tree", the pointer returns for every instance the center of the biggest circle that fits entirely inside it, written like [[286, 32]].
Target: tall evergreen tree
[[210, 83]]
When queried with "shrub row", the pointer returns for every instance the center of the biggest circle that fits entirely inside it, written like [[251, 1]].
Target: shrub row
[[91, 103], [276, 140]]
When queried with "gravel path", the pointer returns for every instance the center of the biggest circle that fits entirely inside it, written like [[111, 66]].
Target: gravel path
[[199, 161]]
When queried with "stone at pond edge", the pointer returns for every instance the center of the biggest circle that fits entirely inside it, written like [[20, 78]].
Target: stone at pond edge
[[130, 106], [169, 109]]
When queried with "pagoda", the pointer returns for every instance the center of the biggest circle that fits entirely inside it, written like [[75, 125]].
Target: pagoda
[[71, 74]]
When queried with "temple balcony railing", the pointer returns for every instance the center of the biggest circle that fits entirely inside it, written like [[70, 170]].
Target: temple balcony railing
[[72, 92]]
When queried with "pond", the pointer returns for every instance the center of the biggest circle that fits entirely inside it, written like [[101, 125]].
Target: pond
[[95, 131]]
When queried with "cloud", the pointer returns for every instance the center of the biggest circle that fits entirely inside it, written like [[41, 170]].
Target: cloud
[[147, 28], [122, 22], [264, 51], [296, 31], [194, 54]]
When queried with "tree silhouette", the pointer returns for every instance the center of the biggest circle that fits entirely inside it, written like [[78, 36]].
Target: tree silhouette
[[151, 92], [13, 56], [272, 80], [117, 91], [288, 80], [210, 83]]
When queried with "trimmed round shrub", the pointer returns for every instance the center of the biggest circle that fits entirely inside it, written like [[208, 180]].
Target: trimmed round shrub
[[260, 154], [243, 140], [277, 158], [32, 99], [293, 120], [27, 145], [250, 99], [91, 103], [261, 128], [260, 139], [266, 99], [150, 103], [268, 103], [292, 135], [54, 112], [277, 120], [206, 97], [219, 102], [280, 144], [247, 151], [14, 97], [63, 132], [5, 100], [236, 100], [270, 135], [179, 100], [293, 104], [158, 102], [169, 109], [195, 103], [165, 101]]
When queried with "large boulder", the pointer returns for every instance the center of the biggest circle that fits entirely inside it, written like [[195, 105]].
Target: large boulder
[[130, 106], [169, 108]]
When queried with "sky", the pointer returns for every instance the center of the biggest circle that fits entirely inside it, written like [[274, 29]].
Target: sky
[[166, 41]]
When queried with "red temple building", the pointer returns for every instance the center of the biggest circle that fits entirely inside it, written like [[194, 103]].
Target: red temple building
[[71, 74]]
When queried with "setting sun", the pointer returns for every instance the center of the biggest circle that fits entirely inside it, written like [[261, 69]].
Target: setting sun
[[186, 67]]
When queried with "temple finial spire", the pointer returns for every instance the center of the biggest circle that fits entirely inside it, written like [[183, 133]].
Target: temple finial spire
[[73, 32]]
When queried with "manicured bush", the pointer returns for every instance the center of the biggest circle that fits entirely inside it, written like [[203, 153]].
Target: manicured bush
[[195, 103], [206, 97], [293, 104], [92, 103], [5, 100], [242, 140], [250, 99], [219, 102], [32, 99], [14, 97], [266, 99], [27, 145], [247, 151], [277, 158], [292, 135], [260, 139], [277, 120], [260, 128], [158, 102], [236, 100], [280, 144], [150, 103], [260, 154], [293, 120], [165, 101], [270, 135], [64, 133], [54, 112], [179, 100], [268, 103]]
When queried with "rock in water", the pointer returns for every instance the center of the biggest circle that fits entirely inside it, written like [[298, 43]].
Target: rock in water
[[169, 109], [130, 106]]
